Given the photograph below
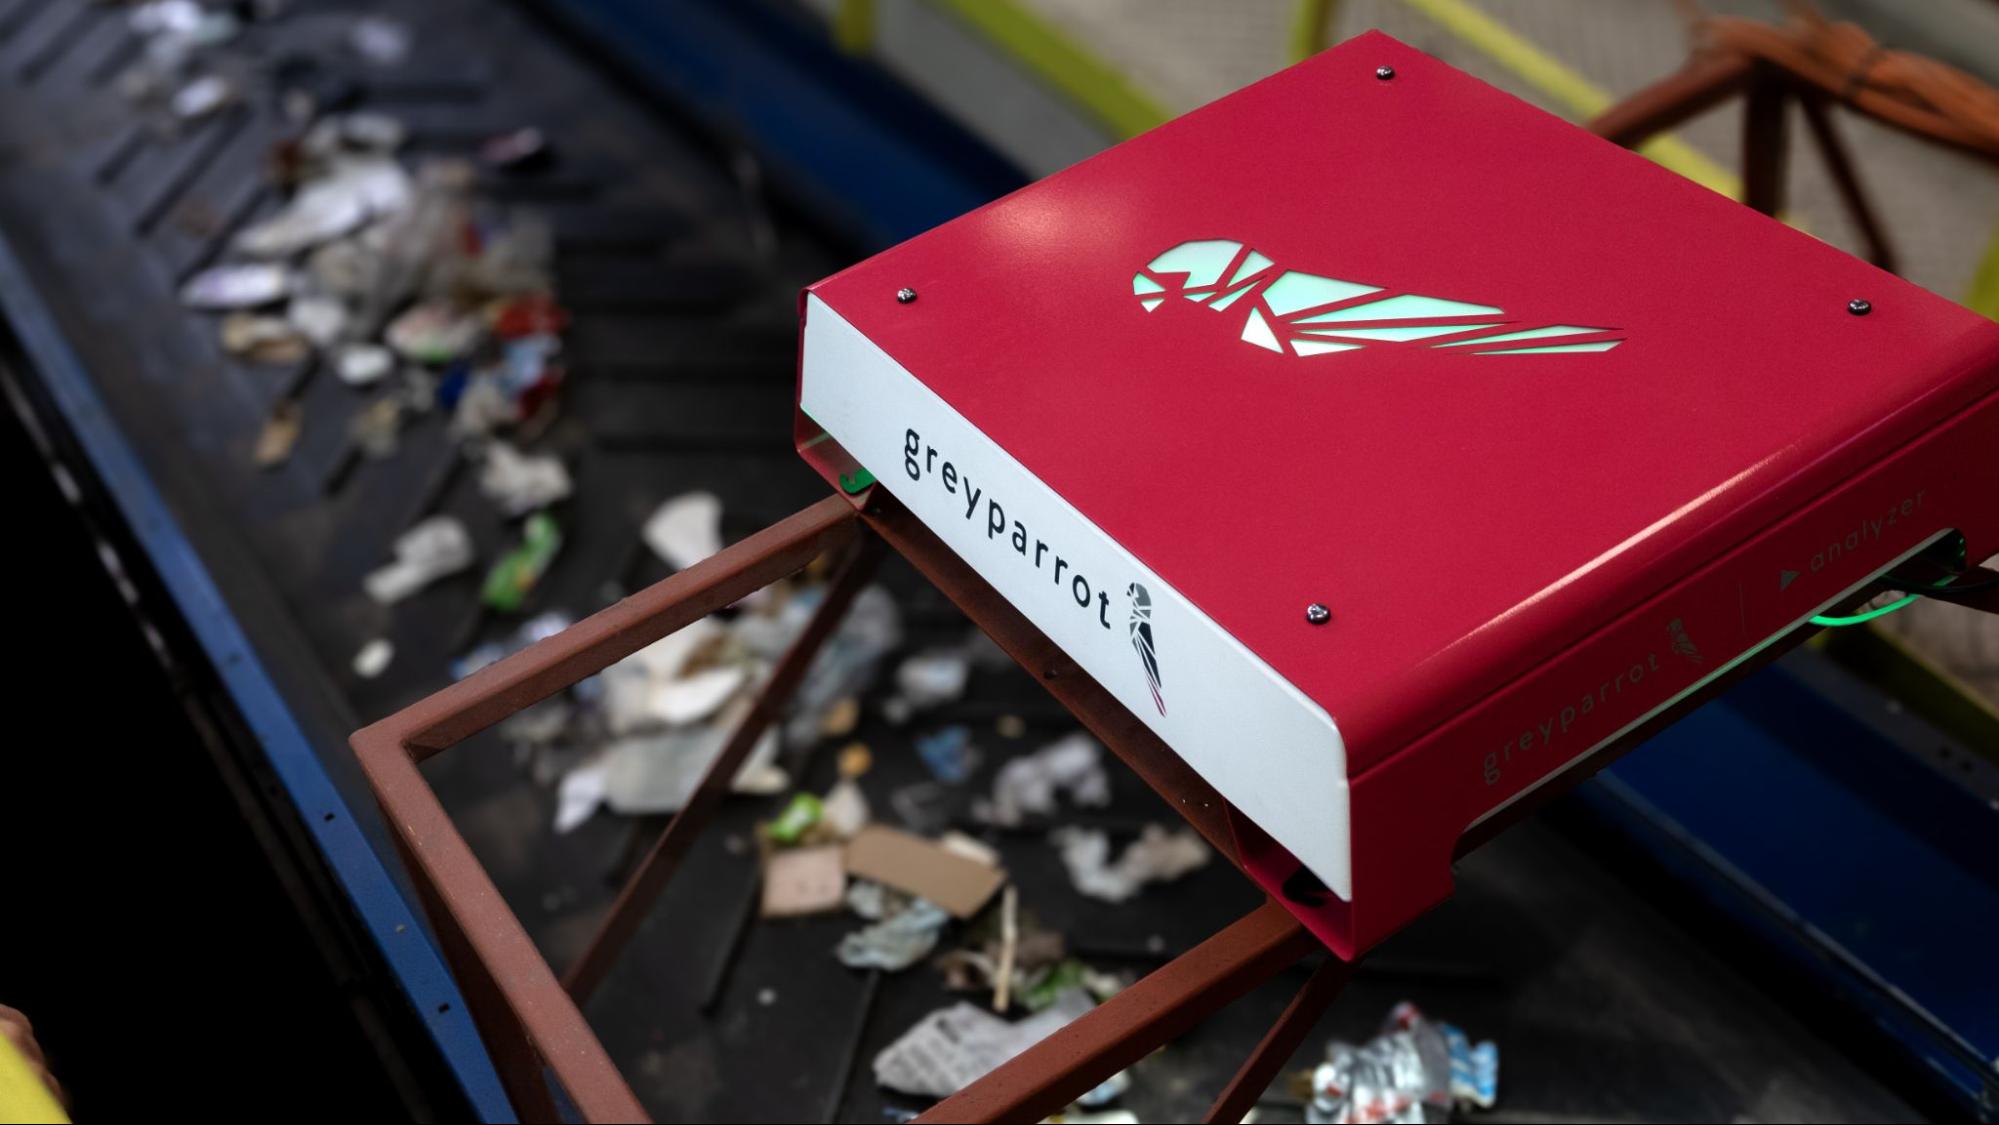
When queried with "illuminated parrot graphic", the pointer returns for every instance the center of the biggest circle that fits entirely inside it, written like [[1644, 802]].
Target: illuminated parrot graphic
[[1304, 314], [1141, 639]]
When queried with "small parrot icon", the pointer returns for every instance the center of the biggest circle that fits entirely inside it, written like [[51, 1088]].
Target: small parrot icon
[[1141, 639]]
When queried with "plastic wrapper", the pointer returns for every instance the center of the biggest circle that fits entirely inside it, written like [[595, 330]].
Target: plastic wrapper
[[1028, 785], [1159, 855], [651, 774], [1416, 1070], [373, 659], [202, 97], [380, 40], [323, 320], [845, 809], [846, 665], [519, 483], [535, 628], [949, 753], [897, 941], [361, 365], [241, 286], [685, 529], [349, 193], [933, 677], [873, 901], [435, 332], [430, 550], [263, 339], [376, 429]]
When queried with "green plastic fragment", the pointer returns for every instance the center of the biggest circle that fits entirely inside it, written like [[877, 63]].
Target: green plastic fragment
[[1055, 980], [796, 820], [859, 481], [515, 575]]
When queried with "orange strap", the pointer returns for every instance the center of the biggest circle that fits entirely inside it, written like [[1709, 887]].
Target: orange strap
[[1918, 94]]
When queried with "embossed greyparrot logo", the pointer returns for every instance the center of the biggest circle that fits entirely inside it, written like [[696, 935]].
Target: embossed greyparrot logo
[[1303, 314], [1141, 640]]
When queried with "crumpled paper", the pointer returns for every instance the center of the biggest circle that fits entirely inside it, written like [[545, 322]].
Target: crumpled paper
[[685, 529], [428, 551], [953, 1047], [1159, 855], [1027, 786], [519, 483]]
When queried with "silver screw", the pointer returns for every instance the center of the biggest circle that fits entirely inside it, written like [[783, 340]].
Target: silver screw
[[1318, 614], [1860, 306], [905, 294], [1384, 72]]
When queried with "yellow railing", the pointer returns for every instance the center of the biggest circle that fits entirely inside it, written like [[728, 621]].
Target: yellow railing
[[1124, 109]]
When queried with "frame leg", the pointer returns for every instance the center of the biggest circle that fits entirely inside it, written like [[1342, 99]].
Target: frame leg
[[1297, 1021], [1765, 140], [646, 883], [1127, 1027], [1705, 82], [506, 1040], [530, 1021], [497, 965], [1846, 179]]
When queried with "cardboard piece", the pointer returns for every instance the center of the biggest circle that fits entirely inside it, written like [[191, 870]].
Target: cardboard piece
[[923, 867], [804, 881]]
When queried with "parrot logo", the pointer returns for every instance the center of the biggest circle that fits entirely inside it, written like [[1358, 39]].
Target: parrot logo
[[1682, 643], [1141, 639], [1304, 314]]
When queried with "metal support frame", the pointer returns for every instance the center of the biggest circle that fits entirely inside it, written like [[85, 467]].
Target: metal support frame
[[1712, 76], [1298, 1019], [1766, 133], [532, 1022], [653, 873], [1131, 1025]]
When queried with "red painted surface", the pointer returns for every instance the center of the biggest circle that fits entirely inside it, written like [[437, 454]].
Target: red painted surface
[[1482, 526]]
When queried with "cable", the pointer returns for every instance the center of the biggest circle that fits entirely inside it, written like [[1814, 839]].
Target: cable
[[1955, 586], [1862, 618], [1883, 611]]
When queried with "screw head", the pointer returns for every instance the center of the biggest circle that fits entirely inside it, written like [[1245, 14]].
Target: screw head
[[905, 294], [1384, 72], [1318, 614], [1860, 306]]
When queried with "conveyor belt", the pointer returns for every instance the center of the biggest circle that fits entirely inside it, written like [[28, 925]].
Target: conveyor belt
[[683, 294]]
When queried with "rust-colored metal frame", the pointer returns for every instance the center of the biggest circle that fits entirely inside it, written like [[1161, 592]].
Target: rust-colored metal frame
[[1711, 76], [532, 1021]]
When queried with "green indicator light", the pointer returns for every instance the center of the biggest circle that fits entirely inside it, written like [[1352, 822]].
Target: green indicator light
[[1883, 611], [1862, 618]]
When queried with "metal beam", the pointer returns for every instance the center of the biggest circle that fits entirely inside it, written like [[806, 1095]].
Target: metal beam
[[1124, 1029]]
